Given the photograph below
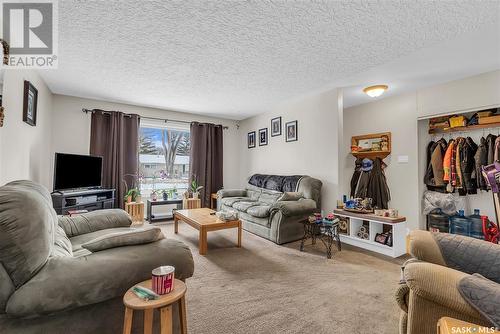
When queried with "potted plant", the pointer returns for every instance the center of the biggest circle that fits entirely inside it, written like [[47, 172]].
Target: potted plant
[[138, 196], [131, 195], [154, 195], [195, 188]]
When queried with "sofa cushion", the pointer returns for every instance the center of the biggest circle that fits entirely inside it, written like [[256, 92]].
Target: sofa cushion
[[27, 229], [260, 211], [136, 236], [269, 197], [62, 245], [229, 201], [78, 240], [244, 205]]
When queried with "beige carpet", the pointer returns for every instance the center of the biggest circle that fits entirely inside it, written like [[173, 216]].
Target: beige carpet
[[266, 288]]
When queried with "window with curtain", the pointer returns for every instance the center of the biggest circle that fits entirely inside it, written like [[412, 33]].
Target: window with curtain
[[163, 157]]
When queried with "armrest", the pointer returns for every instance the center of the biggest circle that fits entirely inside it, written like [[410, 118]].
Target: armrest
[[295, 208], [439, 285], [94, 221], [423, 246], [231, 193], [66, 282]]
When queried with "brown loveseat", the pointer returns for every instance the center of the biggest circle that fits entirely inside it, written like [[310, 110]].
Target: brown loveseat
[[438, 282]]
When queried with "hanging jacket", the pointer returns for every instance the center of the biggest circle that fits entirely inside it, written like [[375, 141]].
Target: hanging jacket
[[447, 162], [434, 176], [355, 176], [468, 166], [361, 189], [481, 159], [377, 189], [496, 154], [453, 176], [458, 164], [490, 141]]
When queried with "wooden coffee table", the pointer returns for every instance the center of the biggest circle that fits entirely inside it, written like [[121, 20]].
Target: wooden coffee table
[[204, 222]]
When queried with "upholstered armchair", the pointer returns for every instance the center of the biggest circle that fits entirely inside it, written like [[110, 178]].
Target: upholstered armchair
[[450, 275]]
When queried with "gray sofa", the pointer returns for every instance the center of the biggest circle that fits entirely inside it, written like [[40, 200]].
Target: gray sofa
[[50, 284], [270, 206]]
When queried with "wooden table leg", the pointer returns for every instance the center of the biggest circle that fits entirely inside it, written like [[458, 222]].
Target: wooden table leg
[[127, 322], [148, 321], [182, 314], [202, 244], [166, 320], [239, 235], [176, 224]]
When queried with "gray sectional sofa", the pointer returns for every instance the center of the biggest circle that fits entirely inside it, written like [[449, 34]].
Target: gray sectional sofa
[[50, 284], [272, 206]]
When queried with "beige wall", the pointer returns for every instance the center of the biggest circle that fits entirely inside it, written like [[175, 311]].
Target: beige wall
[[316, 151], [25, 150], [399, 115], [72, 129]]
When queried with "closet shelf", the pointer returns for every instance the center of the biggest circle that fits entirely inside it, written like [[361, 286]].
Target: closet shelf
[[465, 128]]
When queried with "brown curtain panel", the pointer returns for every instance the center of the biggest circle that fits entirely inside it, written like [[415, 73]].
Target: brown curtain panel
[[205, 163], [115, 137]]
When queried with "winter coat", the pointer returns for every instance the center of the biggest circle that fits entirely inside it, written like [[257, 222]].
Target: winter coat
[[355, 176], [434, 176], [361, 189], [481, 159], [490, 141], [458, 164], [496, 154], [377, 189], [447, 161], [468, 166]]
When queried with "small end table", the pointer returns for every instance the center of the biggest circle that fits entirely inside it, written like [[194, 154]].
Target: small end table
[[213, 201], [136, 211], [163, 304], [191, 203], [326, 231]]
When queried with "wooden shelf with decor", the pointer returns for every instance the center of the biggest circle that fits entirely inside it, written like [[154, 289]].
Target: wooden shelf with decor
[[377, 149], [487, 119], [465, 128]]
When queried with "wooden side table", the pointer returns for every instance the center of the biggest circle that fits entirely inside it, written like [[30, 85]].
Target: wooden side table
[[135, 210], [213, 198], [191, 203], [163, 304]]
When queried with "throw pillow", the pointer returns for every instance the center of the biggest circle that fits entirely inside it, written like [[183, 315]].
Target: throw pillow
[[291, 196], [137, 236]]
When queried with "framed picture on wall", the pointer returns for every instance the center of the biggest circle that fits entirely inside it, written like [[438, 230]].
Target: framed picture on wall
[[263, 137], [251, 139], [30, 103], [291, 131], [276, 127]]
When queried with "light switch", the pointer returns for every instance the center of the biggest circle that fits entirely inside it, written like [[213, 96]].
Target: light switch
[[402, 159]]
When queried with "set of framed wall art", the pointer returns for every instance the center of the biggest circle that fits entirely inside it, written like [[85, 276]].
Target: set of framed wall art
[[291, 133]]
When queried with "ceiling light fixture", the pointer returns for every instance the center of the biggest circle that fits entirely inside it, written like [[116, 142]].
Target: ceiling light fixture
[[375, 91]]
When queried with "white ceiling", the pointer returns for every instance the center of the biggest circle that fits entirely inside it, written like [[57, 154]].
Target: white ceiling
[[237, 59]]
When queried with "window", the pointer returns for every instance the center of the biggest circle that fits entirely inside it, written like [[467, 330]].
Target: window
[[163, 158]]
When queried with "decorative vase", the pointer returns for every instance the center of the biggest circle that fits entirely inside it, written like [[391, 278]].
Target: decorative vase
[[154, 197], [129, 199], [196, 195], [165, 196], [138, 199]]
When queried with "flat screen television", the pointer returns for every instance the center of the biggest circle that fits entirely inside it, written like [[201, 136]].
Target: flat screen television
[[77, 171]]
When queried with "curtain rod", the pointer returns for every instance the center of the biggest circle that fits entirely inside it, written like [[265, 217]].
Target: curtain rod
[[152, 118]]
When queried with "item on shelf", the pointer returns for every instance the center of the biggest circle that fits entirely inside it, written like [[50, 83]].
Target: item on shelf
[[393, 213], [459, 224], [363, 232], [439, 122], [476, 227], [384, 143], [489, 119], [437, 221], [381, 238], [457, 121], [379, 212], [162, 279], [344, 225]]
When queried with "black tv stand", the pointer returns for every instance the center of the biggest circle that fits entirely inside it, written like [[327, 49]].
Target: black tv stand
[[83, 199]]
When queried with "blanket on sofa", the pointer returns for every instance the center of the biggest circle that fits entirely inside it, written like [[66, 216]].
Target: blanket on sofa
[[276, 182]]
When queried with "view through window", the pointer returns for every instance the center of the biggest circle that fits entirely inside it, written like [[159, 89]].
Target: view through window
[[163, 160]]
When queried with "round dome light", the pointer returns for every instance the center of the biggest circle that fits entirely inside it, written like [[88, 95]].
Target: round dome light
[[375, 91]]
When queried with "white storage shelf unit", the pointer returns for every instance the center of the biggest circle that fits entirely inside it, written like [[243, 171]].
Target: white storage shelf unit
[[375, 225]]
